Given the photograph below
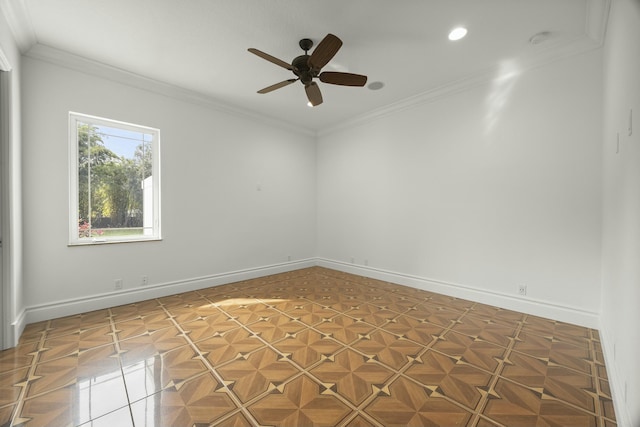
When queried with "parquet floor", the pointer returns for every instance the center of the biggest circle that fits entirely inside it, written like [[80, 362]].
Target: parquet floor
[[313, 347]]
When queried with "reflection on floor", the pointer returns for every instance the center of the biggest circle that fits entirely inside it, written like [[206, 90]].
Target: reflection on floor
[[309, 347]]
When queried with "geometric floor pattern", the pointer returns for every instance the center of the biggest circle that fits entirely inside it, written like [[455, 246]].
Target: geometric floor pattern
[[312, 347]]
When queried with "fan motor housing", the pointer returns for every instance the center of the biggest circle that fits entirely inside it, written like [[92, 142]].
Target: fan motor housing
[[301, 68]]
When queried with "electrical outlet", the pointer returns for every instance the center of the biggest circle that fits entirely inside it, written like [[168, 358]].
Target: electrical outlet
[[144, 280], [366, 262], [289, 258], [522, 290], [353, 260], [118, 284]]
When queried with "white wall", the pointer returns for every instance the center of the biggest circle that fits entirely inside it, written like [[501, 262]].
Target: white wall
[[486, 189], [12, 322], [621, 207], [483, 190], [214, 219]]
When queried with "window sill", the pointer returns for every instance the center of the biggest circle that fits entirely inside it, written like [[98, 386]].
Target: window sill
[[94, 242]]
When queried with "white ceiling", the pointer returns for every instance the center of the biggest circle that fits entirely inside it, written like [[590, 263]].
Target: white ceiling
[[201, 45]]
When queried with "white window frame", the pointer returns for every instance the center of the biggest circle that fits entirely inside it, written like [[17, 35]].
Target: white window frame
[[74, 239]]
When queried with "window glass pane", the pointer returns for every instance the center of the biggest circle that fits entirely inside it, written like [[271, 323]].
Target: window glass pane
[[115, 182]]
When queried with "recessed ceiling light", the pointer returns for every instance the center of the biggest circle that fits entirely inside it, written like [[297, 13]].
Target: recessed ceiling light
[[457, 33], [375, 85]]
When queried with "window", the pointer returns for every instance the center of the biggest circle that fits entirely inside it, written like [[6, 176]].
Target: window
[[114, 181]]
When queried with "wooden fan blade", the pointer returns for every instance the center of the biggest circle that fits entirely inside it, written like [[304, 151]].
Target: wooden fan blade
[[313, 93], [270, 58], [277, 86], [344, 79], [323, 53]]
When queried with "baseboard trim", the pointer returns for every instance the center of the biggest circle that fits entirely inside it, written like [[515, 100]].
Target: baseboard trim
[[623, 417], [96, 302], [545, 309], [69, 307], [15, 330]]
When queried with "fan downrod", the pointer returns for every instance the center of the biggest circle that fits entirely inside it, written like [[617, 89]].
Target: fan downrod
[[301, 63]]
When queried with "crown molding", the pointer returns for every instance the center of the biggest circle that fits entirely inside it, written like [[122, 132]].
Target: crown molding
[[553, 51], [79, 63], [597, 12], [19, 20], [440, 92]]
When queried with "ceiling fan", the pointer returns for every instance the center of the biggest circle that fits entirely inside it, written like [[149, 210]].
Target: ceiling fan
[[307, 67]]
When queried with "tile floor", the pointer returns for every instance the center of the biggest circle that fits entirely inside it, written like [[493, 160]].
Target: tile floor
[[312, 347]]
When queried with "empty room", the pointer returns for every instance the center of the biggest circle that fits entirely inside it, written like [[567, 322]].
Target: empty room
[[294, 213]]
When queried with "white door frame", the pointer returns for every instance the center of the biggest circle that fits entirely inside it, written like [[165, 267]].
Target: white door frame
[[6, 330]]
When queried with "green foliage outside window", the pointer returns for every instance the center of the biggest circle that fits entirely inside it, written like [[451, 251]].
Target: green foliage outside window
[[110, 185]]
